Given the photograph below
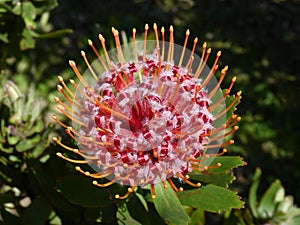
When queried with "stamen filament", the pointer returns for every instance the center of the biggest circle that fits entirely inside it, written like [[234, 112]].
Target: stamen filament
[[89, 65], [187, 33], [163, 42], [192, 53], [60, 108], [93, 175], [129, 191], [102, 40], [145, 42], [60, 155], [220, 145], [76, 71], [97, 54], [65, 86], [174, 186], [118, 45], [187, 181], [104, 185], [201, 66]]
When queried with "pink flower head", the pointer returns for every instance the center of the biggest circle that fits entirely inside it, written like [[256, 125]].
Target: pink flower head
[[147, 112]]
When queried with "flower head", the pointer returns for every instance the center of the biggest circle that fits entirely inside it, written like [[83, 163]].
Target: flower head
[[147, 112]]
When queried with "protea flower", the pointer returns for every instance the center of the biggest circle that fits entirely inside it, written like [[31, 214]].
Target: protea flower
[[147, 112]]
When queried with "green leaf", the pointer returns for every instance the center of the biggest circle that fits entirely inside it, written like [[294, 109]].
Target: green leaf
[[286, 206], [294, 221], [227, 163], [16, 9], [211, 198], [44, 178], [198, 217], [47, 6], [13, 140], [29, 14], [253, 192], [168, 206], [138, 209], [27, 41], [53, 34], [37, 213], [4, 37], [124, 216], [266, 207], [27, 144], [229, 100], [79, 190], [220, 179], [107, 215]]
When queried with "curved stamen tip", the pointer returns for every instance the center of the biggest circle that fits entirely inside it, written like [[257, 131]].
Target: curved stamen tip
[[180, 189], [59, 154], [82, 53], [60, 78], [72, 63], [101, 37], [55, 139], [219, 53], [94, 182], [234, 79], [236, 127], [59, 87], [154, 26], [187, 32], [153, 196], [77, 168], [117, 196], [219, 165], [231, 142], [90, 42], [239, 93], [59, 107]]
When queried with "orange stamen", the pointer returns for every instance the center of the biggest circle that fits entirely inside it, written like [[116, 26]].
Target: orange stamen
[[187, 33], [97, 54]]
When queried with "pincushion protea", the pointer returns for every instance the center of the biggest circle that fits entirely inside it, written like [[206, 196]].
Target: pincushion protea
[[153, 111]]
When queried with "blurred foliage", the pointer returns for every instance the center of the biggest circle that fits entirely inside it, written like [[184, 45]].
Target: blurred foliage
[[21, 23], [260, 41], [274, 208]]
